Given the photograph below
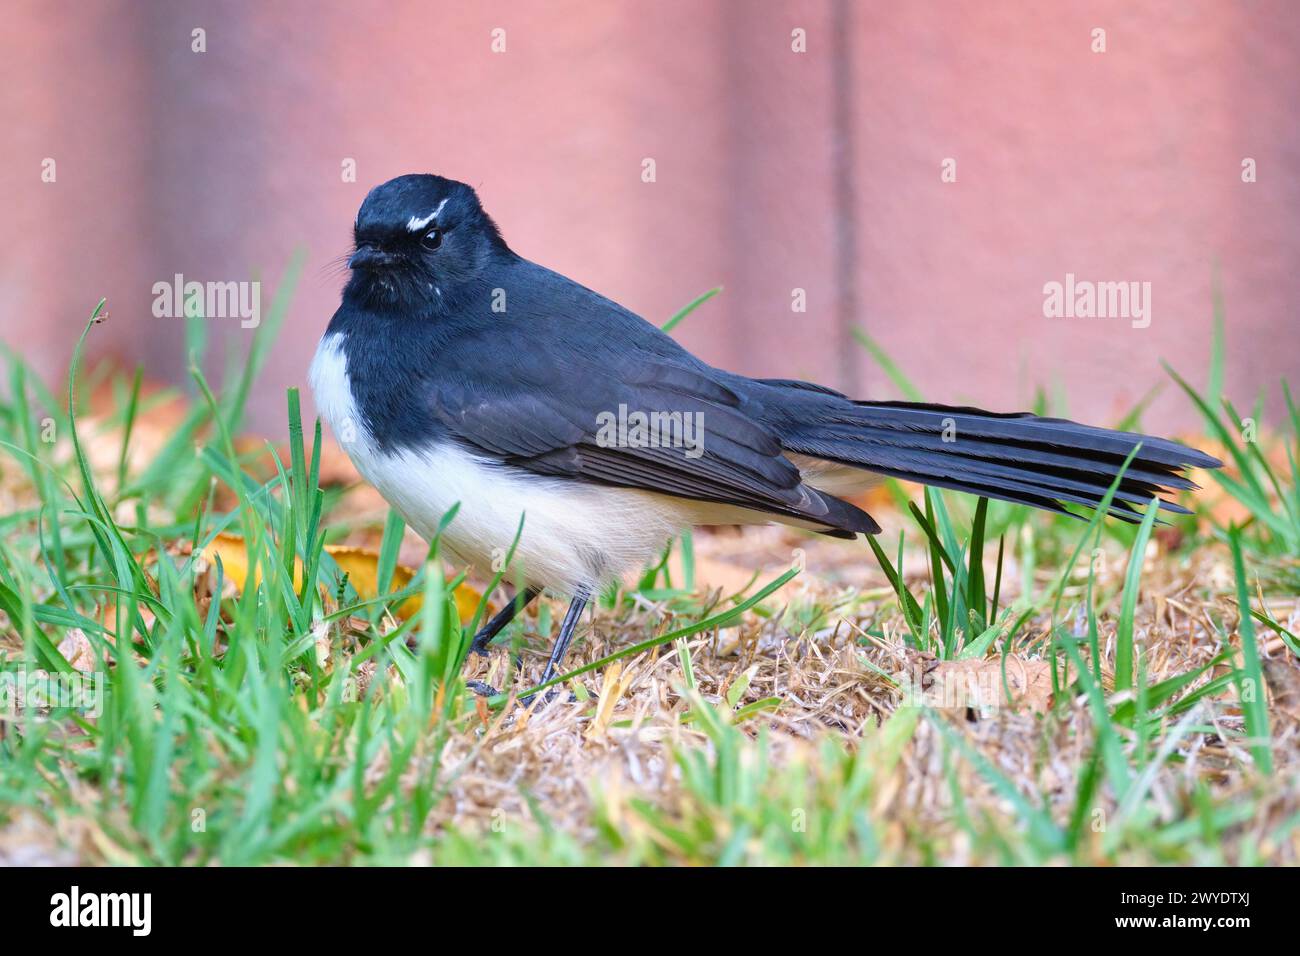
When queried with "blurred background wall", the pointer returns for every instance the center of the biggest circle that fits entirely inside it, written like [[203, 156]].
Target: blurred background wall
[[775, 170]]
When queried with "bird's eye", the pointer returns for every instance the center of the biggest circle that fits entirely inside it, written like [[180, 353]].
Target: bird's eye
[[432, 239]]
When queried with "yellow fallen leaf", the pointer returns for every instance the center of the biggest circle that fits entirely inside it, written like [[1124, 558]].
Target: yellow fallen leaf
[[361, 565]]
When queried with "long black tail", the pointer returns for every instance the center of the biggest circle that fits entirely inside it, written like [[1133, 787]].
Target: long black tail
[[1044, 462]]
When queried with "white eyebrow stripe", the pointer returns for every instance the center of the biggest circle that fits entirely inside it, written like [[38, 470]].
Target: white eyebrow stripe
[[415, 225]]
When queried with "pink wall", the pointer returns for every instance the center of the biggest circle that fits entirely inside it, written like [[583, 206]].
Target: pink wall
[[1124, 165]]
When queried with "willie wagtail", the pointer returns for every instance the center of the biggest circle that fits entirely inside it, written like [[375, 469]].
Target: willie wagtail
[[457, 372]]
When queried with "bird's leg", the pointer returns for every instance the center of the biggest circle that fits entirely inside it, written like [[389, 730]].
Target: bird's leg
[[503, 617], [494, 627], [569, 625]]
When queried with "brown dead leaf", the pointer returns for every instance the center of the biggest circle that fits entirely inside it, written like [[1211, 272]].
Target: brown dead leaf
[[77, 650], [1283, 680], [161, 411], [711, 573], [1221, 506]]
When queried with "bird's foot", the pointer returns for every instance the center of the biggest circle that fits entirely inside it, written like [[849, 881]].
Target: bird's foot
[[481, 641], [484, 689], [498, 623]]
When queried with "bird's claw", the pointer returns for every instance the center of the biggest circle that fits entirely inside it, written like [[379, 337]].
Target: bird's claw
[[482, 688]]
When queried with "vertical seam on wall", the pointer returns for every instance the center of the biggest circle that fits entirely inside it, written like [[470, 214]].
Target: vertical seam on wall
[[845, 206]]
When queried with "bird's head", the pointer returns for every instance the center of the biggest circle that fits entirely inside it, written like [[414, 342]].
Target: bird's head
[[421, 242]]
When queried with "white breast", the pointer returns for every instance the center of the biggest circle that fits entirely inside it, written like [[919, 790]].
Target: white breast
[[575, 535]]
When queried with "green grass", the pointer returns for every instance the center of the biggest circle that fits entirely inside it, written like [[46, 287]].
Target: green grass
[[297, 722]]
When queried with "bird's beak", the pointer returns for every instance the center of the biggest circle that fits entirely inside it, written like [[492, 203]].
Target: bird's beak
[[369, 257]]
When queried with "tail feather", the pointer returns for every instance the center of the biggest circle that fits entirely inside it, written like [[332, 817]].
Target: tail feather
[[997, 450], [1043, 462], [1021, 427]]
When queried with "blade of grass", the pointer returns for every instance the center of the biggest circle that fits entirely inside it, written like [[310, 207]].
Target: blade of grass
[[689, 308], [1128, 608], [1251, 689], [889, 366]]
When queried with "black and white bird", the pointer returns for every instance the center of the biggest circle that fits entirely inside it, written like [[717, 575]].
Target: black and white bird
[[457, 372]]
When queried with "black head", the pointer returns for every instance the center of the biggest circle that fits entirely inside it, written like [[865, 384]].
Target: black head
[[422, 243]]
